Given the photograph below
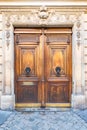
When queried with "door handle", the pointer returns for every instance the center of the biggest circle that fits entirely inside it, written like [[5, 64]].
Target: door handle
[[58, 71], [27, 71]]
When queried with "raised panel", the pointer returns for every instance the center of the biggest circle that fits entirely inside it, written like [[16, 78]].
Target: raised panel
[[27, 92], [58, 59], [58, 92], [27, 56], [58, 38], [27, 39], [28, 59]]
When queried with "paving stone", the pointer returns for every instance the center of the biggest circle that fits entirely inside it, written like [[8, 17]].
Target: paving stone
[[44, 120]]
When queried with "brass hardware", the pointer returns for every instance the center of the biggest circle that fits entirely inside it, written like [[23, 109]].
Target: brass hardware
[[28, 83], [64, 105], [26, 105]]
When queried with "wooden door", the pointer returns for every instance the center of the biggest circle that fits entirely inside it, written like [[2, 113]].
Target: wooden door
[[58, 67], [43, 67]]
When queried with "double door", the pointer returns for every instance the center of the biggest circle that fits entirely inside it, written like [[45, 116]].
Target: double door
[[43, 68]]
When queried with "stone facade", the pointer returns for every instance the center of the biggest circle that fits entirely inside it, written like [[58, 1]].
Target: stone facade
[[74, 17]]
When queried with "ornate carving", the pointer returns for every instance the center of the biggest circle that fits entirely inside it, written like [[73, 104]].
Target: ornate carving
[[78, 24], [43, 14], [8, 42], [8, 24], [8, 36], [78, 43], [20, 38], [78, 34], [78, 38], [56, 38]]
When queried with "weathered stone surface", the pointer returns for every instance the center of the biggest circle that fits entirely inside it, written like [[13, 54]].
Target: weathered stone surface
[[67, 120]]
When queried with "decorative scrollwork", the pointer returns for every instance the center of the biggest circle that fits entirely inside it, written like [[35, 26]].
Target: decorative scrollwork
[[43, 14]]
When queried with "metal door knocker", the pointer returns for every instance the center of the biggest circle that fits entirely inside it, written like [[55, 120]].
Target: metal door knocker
[[27, 71], [58, 71]]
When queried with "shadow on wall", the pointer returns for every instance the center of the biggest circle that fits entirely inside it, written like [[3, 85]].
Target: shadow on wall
[[4, 115]]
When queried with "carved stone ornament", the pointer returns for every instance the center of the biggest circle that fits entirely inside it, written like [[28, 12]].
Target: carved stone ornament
[[8, 38], [8, 42], [7, 34], [78, 24], [78, 34], [78, 38], [78, 43], [8, 24], [43, 14]]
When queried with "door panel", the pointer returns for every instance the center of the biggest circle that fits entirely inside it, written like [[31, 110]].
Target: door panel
[[43, 66], [58, 67], [27, 83]]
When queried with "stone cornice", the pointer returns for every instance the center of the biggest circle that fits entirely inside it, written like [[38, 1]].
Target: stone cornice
[[55, 3], [29, 9]]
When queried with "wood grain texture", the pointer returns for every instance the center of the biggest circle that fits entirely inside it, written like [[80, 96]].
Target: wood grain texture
[[43, 49]]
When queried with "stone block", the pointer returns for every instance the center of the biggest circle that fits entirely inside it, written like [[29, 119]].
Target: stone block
[[85, 67], [0, 34], [85, 17], [85, 82], [78, 101], [85, 26], [0, 85], [0, 17], [0, 43], [0, 59], [85, 59], [85, 50], [7, 102], [0, 51], [0, 68], [1, 77], [0, 26], [85, 76]]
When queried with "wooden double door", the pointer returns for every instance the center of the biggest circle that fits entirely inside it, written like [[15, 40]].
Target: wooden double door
[[43, 68]]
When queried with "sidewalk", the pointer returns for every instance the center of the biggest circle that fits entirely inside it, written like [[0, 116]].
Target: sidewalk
[[46, 120]]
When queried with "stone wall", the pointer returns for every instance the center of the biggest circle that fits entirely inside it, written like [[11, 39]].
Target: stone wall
[[85, 54], [1, 58], [35, 16]]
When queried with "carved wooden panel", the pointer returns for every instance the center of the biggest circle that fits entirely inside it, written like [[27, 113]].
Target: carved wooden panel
[[27, 59], [58, 92], [58, 55], [27, 38], [27, 92], [58, 38]]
